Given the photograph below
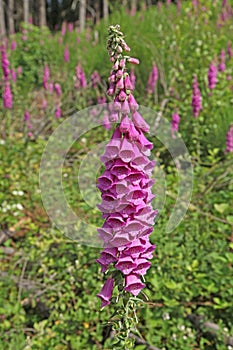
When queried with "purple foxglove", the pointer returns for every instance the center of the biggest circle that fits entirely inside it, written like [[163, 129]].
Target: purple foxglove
[[95, 79], [66, 55], [229, 140], [133, 284], [7, 96], [229, 50], [13, 45], [175, 124], [125, 185], [80, 79], [196, 99], [152, 79], [57, 88], [58, 112], [222, 64], [212, 76], [5, 63], [106, 292], [26, 116], [13, 75]]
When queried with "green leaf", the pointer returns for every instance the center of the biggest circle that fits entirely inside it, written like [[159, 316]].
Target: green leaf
[[221, 207], [230, 219]]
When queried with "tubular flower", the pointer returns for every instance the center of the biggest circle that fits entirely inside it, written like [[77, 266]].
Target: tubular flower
[[175, 124], [212, 76], [5, 63], [95, 79], [196, 99], [46, 77], [66, 55], [229, 50], [229, 140], [58, 90], [80, 79], [126, 182], [7, 96], [152, 79], [222, 64]]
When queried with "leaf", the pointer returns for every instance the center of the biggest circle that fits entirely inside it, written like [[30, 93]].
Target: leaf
[[230, 219], [221, 207]]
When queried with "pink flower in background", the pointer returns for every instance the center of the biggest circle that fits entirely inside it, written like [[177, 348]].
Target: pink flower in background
[[51, 87], [80, 78], [13, 45], [229, 140], [212, 76], [224, 2], [222, 64], [152, 79], [26, 116], [95, 79], [178, 5], [13, 75], [229, 50], [44, 104], [7, 96], [196, 99], [126, 182], [159, 4], [19, 70], [58, 112], [175, 124], [58, 90], [63, 29], [5, 63], [60, 39], [66, 55], [46, 77], [70, 27]]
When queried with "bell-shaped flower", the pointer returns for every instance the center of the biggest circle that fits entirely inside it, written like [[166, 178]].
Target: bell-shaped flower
[[133, 284], [106, 292]]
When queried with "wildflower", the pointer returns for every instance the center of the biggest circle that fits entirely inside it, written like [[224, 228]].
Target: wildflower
[[57, 88], [58, 112], [125, 184], [212, 76], [7, 96], [196, 99], [66, 55], [95, 79], [222, 65], [26, 116], [152, 79], [19, 70], [13, 45], [13, 75], [46, 77], [70, 27], [229, 50], [80, 79], [5, 63], [175, 124], [106, 292], [229, 140]]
